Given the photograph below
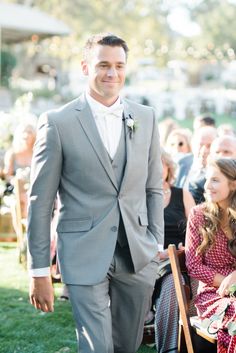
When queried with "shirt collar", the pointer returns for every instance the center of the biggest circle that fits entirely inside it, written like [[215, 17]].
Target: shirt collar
[[96, 106]]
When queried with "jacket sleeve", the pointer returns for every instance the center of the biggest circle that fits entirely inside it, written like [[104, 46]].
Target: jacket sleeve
[[45, 178], [154, 190]]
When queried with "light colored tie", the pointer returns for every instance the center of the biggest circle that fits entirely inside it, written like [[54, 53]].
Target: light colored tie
[[109, 124], [117, 111]]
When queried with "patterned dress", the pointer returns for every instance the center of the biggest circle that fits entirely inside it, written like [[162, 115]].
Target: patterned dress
[[167, 311], [204, 267]]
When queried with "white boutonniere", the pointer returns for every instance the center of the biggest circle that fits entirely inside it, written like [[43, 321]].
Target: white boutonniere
[[132, 125]]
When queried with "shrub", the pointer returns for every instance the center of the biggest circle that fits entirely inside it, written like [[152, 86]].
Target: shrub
[[8, 62]]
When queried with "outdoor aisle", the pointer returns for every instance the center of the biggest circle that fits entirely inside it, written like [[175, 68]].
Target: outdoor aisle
[[24, 329]]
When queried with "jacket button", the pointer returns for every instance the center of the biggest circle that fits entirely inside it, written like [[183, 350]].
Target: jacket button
[[114, 229]]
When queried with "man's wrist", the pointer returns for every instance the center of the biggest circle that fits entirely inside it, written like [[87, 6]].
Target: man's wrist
[[40, 272]]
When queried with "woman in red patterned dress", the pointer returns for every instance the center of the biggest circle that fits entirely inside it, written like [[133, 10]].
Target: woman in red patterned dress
[[211, 251]]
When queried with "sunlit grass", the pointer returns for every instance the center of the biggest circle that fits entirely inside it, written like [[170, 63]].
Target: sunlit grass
[[24, 329]]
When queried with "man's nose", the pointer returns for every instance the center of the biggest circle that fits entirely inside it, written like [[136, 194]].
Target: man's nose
[[111, 72], [204, 151]]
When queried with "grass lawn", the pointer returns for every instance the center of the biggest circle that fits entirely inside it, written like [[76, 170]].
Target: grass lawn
[[24, 329]]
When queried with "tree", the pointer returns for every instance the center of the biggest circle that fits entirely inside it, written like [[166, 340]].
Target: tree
[[8, 62], [143, 23], [217, 21]]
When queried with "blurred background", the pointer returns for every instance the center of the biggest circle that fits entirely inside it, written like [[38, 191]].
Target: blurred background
[[182, 62], [182, 56], [182, 53]]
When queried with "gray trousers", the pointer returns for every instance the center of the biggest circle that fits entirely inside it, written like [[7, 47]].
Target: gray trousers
[[110, 315]]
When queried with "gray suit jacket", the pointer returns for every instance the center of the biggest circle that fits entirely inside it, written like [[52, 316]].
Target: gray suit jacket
[[70, 158]]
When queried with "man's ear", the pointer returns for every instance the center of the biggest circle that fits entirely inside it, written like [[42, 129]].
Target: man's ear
[[84, 66]]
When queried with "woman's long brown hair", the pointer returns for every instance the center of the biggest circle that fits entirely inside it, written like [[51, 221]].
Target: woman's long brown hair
[[213, 213]]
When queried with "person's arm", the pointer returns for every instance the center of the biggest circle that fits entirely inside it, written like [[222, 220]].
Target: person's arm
[[45, 178], [194, 261], [8, 170], [154, 189], [188, 201], [218, 279], [225, 283], [41, 293]]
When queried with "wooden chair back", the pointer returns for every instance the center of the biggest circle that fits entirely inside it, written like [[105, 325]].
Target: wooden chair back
[[18, 213], [177, 261]]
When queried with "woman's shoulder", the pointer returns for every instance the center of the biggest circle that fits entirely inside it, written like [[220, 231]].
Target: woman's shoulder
[[197, 212], [9, 155]]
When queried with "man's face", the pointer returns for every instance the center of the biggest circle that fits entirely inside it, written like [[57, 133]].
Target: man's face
[[224, 148], [202, 144], [105, 69]]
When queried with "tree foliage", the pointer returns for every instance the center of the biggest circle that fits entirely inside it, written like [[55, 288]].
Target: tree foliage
[[8, 62], [144, 24], [217, 21]]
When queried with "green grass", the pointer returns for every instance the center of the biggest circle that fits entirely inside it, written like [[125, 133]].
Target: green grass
[[24, 329]]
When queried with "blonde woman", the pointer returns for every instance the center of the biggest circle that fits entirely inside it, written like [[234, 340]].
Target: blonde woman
[[17, 162], [177, 205], [179, 142], [20, 154], [211, 252]]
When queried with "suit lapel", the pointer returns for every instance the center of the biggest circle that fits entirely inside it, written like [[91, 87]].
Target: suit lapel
[[88, 124], [127, 113]]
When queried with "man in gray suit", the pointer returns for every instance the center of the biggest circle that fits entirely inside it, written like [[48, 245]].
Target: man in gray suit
[[101, 154]]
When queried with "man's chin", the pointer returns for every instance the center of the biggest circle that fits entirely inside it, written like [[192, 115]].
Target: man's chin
[[110, 94]]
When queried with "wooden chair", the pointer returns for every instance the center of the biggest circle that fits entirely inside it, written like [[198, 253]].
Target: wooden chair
[[19, 221], [190, 328]]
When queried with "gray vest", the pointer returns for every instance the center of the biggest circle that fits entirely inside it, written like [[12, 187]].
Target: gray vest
[[118, 165]]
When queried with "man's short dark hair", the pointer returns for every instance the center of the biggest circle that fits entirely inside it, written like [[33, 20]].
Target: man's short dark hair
[[207, 120], [104, 39]]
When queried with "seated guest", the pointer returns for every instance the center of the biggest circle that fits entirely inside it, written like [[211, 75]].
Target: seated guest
[[17, 161], [166, 126], [178, 203], [20, 154], [192, 177], [179, 142], [224, 146], [210, 252], [203, 120], [226, 129]]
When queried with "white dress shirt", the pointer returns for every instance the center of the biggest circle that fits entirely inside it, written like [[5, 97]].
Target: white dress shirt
[[108, 121], [109, 124]]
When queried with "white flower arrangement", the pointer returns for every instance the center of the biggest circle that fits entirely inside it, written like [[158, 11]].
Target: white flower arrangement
[[132, 125]]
